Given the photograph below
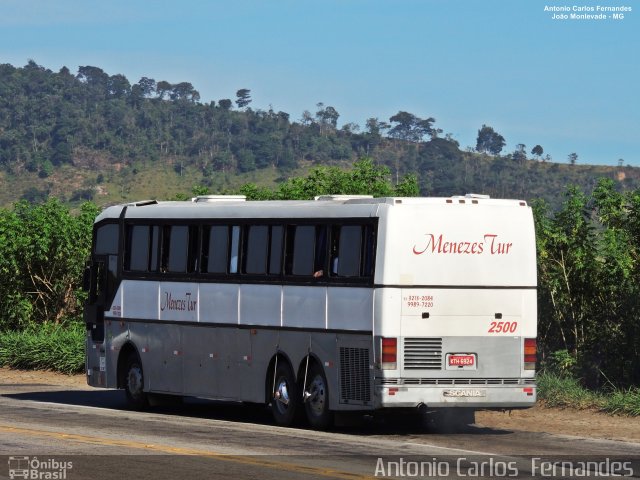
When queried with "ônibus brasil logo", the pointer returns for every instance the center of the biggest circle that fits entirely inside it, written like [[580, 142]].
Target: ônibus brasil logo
[[488, 244], [35, 469]]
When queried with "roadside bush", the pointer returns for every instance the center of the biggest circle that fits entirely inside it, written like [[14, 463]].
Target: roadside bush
[[42, 251], [624, 402], [561, 363], [48, 346], [562, 391], [566, 392], [589, 294]]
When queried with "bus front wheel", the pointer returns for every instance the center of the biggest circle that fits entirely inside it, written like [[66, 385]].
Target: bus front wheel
[[285, 396], [317, 399], [133, 382]]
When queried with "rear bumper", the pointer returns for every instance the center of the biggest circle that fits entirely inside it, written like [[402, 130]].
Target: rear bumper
[[481, 396]]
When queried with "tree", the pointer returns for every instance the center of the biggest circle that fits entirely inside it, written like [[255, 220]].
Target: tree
[[184, 91], [41, 262], [537, 151], [375, 127], [162, 88], [327, 118], [573, 158], [588, 262], [411, 128], [365, 178], [93, 76], [225, 104], [307, 119], [520, 153], [243, 97], [119, 86], [489, 141], [350, 128], [147, 86]]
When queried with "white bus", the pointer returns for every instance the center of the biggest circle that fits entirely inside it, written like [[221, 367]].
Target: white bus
[[334, 305]]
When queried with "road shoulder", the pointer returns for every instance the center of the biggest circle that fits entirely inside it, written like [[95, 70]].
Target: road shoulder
[[578, 423]]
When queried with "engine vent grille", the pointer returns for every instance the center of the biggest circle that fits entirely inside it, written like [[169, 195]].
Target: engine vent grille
[[355, 384], [422, 353]]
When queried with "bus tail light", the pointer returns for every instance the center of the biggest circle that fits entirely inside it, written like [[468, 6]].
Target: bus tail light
[[530, 353], [389, 353]]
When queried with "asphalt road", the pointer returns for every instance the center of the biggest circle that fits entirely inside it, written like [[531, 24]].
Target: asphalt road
[[46, 432]]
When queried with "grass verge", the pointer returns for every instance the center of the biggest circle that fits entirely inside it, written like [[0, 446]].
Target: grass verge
[[565, 392], [45, 347]]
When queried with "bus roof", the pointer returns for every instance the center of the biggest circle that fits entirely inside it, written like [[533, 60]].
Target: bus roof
[[334, 206]]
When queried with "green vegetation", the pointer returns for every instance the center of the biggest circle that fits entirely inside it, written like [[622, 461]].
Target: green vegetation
[[44, 347], [589, 293], [566, 392], [95, 136], [42, 250], [365, 178]]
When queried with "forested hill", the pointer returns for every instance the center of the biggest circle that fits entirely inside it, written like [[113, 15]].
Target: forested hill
[[91, 135]]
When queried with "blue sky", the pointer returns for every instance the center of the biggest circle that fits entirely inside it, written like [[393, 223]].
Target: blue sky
[[570, 86]]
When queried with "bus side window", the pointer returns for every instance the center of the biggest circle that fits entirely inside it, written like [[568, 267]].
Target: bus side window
[[300, 249], [215, 249], [175, 244], [320, 252], [369, 245], [349, 251], [275, 250], [137, 252], [256, 249], [193, 257], [155, 247], [235, 249]]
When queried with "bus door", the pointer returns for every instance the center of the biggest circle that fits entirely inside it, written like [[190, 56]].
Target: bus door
[[100, 278], [96, 284]]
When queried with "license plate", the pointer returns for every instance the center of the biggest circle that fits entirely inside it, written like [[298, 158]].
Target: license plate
[[465, 393], [461, 360]]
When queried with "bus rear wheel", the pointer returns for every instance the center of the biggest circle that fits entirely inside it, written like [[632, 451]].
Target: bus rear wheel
[[133, 382], [317, 402], [284, 403]]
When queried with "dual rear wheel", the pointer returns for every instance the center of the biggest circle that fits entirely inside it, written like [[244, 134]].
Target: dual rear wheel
[[289, 403]]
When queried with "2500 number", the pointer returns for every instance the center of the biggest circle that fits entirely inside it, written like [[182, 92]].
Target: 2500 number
[[503, 327]]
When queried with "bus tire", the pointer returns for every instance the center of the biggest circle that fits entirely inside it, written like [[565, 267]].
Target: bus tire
[[284, 403], [133, 382], [317, 405]]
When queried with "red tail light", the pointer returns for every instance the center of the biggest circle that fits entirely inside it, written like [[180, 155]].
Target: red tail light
[[530, 353], [389, 353]]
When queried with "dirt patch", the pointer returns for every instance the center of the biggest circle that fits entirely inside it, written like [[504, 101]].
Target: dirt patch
[[579, 423], [10, 376]]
